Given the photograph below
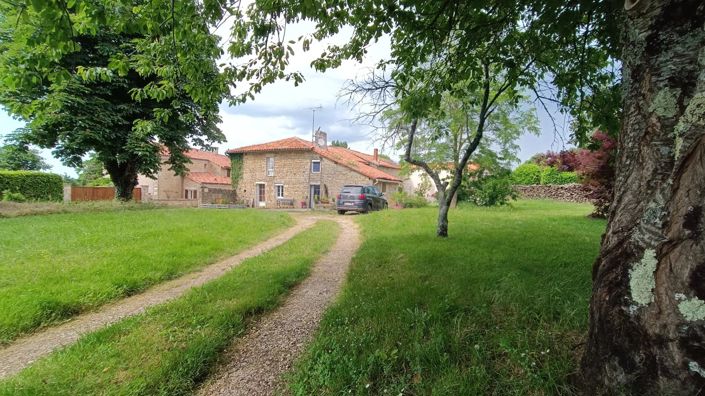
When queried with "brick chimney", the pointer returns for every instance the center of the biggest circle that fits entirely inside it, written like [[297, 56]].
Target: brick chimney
[[376, 155], [321, 139]]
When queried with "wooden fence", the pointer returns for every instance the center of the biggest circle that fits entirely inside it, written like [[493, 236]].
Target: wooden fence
[[100, 193]]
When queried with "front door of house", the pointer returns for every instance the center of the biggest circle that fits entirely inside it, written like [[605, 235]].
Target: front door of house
[[260, 194], [315, 195]]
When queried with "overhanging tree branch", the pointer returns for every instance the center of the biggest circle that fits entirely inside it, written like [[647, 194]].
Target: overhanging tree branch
[[420, 163]]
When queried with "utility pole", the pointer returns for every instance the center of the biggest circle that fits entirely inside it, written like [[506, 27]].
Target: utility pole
[[313, 121]]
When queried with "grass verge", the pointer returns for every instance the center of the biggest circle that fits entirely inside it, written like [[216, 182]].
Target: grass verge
[[54, 267], [16, 209], [498, 308], [171, 347]]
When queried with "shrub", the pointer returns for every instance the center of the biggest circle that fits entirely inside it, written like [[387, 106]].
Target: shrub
[[568, 178], [409, 201], [527, 174], [551, 175], [564, 161], [9, 196], [492, 191], [598, 171], [37, 186], [100, 182]]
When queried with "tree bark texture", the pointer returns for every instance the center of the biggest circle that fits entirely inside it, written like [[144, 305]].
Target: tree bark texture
[[124, 177], [442, 225], [647, 311]]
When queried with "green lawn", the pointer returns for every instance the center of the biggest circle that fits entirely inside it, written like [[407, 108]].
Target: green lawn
[[55, 266], [171, 347], [498, 308]]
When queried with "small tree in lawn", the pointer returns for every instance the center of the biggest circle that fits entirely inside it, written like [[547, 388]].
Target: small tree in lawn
[[445, 140]]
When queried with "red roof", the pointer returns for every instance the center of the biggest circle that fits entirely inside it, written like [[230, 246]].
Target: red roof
[[221, 160], [380, 161], [349, 158], [359, 162], [208, 178], [288, 144]]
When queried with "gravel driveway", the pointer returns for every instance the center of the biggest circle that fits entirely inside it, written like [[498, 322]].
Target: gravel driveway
[[254, 364]]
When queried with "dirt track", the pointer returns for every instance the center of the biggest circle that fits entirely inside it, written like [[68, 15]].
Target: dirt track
[[254, 364]]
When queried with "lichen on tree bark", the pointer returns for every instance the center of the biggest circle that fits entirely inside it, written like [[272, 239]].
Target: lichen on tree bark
[[656, 222]]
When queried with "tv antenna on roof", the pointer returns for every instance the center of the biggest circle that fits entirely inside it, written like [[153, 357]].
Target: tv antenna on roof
[[313, 120]]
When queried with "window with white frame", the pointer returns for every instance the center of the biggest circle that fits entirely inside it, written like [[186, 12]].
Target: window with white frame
[[279, 190], [190, 194], [315, 166], [270, 166]]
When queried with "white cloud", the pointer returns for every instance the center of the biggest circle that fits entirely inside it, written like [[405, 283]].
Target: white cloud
[[282, 110]]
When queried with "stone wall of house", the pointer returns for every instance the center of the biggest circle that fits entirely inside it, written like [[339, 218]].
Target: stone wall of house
[[199, 165], [566, 192], [292, 169], [217, 195], [388, 188], [182, 203], [391, 171], [337, 176], [169, 186], [191, 185]]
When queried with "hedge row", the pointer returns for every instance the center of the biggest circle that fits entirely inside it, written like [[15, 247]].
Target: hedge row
[[533, 174], [37, 186]]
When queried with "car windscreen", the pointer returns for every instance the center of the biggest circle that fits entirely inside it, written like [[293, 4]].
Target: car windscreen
[[351, 190]]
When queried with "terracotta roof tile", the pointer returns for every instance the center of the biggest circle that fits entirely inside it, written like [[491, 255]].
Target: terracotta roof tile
[[219, 159], [208, 178], [354, 160], [347, 157], [288, 144], [380, 161]]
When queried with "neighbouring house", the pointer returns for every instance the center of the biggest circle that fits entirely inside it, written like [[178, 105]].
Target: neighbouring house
[[420, 183], [296, 172], [207, 181]]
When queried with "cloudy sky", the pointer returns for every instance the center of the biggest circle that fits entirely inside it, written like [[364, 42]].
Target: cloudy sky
[[282, 110]]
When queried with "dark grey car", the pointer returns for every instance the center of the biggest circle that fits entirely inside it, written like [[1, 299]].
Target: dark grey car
[[362, 199]]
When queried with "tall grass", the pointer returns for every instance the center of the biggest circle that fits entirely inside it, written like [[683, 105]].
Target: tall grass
[[171, 347], [16, 209], [53, 267], [498, 308]]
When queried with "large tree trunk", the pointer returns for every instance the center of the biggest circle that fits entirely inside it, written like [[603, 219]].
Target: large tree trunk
[[124, 177], [647, 312]]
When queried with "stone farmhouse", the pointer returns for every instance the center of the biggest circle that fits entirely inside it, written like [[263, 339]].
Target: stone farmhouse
[[419, 182], [295, 172], [207, 181]]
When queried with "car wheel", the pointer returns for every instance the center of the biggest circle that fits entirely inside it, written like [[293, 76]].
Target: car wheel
[[341, 212], [368, 209], [385, 206]]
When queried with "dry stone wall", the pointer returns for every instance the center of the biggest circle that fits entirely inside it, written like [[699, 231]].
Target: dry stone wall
[[565, 192]]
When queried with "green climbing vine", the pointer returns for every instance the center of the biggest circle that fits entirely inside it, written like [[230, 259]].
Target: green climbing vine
[[235, 169]]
